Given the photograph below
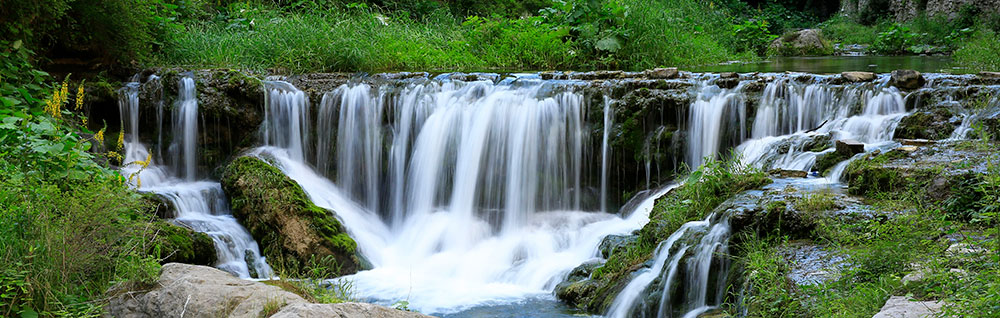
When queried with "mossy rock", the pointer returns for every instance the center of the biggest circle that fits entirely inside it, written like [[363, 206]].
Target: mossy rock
[[177, 244], [932, 125], [293, 232], [826, 161]]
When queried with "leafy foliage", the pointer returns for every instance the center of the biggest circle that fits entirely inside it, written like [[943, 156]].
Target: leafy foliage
[[69, 226]]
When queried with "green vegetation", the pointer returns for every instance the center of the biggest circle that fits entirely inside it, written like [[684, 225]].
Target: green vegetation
[[980, 52], [568, 34], [911, 226], [767, 288], [70, 227]]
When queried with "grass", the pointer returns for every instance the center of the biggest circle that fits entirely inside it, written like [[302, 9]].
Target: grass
[[843, 30], [271, 307], [981, 52], [259, 36], [767, 289]]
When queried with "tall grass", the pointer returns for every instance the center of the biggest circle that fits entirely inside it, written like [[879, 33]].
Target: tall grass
[[670, 33], [363, 41], [981, 52], [259, 36]]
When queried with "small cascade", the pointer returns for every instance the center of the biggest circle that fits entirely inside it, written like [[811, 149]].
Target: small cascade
[[185, 145], [200, 205], [608, 120], [716, 117], [690, 267], [793, 117]]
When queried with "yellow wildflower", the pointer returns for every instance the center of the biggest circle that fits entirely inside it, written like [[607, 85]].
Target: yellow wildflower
[[149, 158], [85, 121], [79, 97], [64, 93], [121, 140], [100, 135]]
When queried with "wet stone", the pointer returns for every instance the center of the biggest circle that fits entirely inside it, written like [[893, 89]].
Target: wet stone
[[850, 147], [856, 77]]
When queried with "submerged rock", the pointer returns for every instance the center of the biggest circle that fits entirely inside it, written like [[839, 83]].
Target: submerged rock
[[292, 230], [200, 291], [939, 171], [612, 243], [906, 79]]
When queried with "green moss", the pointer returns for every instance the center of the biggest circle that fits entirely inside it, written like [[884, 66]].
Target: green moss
[[272, 207], [181, 245], [825, 162]]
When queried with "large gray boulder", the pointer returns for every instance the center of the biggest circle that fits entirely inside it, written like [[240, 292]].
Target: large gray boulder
[[193, 291], [802, 42], [901, 307]]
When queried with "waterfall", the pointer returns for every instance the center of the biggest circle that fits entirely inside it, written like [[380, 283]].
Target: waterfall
[[185, 144], [708, 126], [200, 205], [481, 199], [792, 115], [608, 119], [701, 284]]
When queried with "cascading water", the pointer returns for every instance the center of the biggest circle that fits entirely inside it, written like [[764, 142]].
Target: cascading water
[[466, 193], [484, 196], [792, 115], [200, 205], [708, 126], [185, 145], [708, 240]]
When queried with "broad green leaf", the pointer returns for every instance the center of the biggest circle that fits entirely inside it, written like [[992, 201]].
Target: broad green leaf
[[610, 44]]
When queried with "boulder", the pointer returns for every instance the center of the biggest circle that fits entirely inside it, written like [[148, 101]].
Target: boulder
[[802, 42], [290, 228], [856, 77], [662, 73], [200, 291], [178, 244], [729, 75], [933, 124], [197, 291], [901, 307], [612, 243], [906, 79], [850, 147]]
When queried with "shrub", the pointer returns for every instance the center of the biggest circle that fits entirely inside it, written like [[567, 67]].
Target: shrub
[[980, 52], [753, 35]]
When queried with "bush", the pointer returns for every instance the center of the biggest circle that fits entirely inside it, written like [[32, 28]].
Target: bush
[[753, 35], [895, 40], [981, 52], [69, 228]]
